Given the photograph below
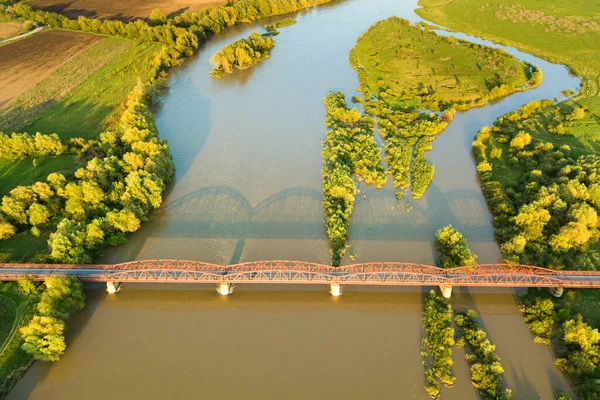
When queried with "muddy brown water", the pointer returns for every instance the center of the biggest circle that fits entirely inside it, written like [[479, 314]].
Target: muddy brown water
[[248, 187]]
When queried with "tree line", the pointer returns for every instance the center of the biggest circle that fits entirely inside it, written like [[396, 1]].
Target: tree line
[[20, 145], [108, 198], [241, 54], [215, 19]]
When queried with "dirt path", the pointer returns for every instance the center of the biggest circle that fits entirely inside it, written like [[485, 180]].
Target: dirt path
[[39, 28]]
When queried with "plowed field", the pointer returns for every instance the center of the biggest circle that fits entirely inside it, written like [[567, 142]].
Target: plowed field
[[28, 61], [125, 10]]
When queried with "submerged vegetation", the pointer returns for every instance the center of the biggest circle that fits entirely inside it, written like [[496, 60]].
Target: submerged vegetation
[[452, 249], [272, 29], [241, 54], [437, 343], [390, 60], [486, 371], [349, 149]]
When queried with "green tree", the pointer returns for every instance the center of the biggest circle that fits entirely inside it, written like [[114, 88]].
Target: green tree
[[38, 214], [43, 338]]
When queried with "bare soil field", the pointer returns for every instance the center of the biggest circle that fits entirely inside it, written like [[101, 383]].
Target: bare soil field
[[124, 10], [28, 61], [9, 29]]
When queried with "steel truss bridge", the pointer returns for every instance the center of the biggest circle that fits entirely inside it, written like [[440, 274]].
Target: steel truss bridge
[[297, 272]]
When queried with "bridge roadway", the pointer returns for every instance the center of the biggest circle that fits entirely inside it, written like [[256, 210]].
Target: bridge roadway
[[297, 272]]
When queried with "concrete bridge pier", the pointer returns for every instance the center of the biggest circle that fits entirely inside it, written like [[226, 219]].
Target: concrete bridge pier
[[224, 288], [335, 289], [446, 291], [112, 287], [556, 291]]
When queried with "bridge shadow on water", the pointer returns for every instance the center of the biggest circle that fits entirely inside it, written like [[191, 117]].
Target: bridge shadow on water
[[297, 213], [225, 213]]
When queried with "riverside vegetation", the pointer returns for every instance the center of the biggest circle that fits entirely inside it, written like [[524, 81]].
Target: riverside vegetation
[[349, 149], [539, 165], [390, 59], [576, 342], [34, 323]]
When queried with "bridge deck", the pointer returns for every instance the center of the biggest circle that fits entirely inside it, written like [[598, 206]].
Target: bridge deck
[[296, 272]]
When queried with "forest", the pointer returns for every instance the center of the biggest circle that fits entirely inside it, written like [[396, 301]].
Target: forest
[[544, 197]]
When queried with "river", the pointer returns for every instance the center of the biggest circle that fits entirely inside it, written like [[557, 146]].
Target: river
[[248, 187]]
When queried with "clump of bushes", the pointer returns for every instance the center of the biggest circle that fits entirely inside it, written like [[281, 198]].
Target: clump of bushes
[[452, 249], [540, 316], [438, 343], [579, 357], [241, 54], [21, 145], [486, 371]]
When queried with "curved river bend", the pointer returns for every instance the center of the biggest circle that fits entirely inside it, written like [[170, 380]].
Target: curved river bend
[[248, 187]]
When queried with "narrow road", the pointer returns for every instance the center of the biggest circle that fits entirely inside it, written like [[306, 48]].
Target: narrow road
[[39, 28]]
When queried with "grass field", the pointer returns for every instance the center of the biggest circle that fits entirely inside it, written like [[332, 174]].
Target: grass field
[[76, 99], [10, 29], [23, 172], [562, 32], [26, 62], [86, 110], [404, 63], [13, 360], [9, 302], [123, 10]]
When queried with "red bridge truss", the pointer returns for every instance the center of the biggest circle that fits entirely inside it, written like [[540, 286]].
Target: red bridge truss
[[288, 272]]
